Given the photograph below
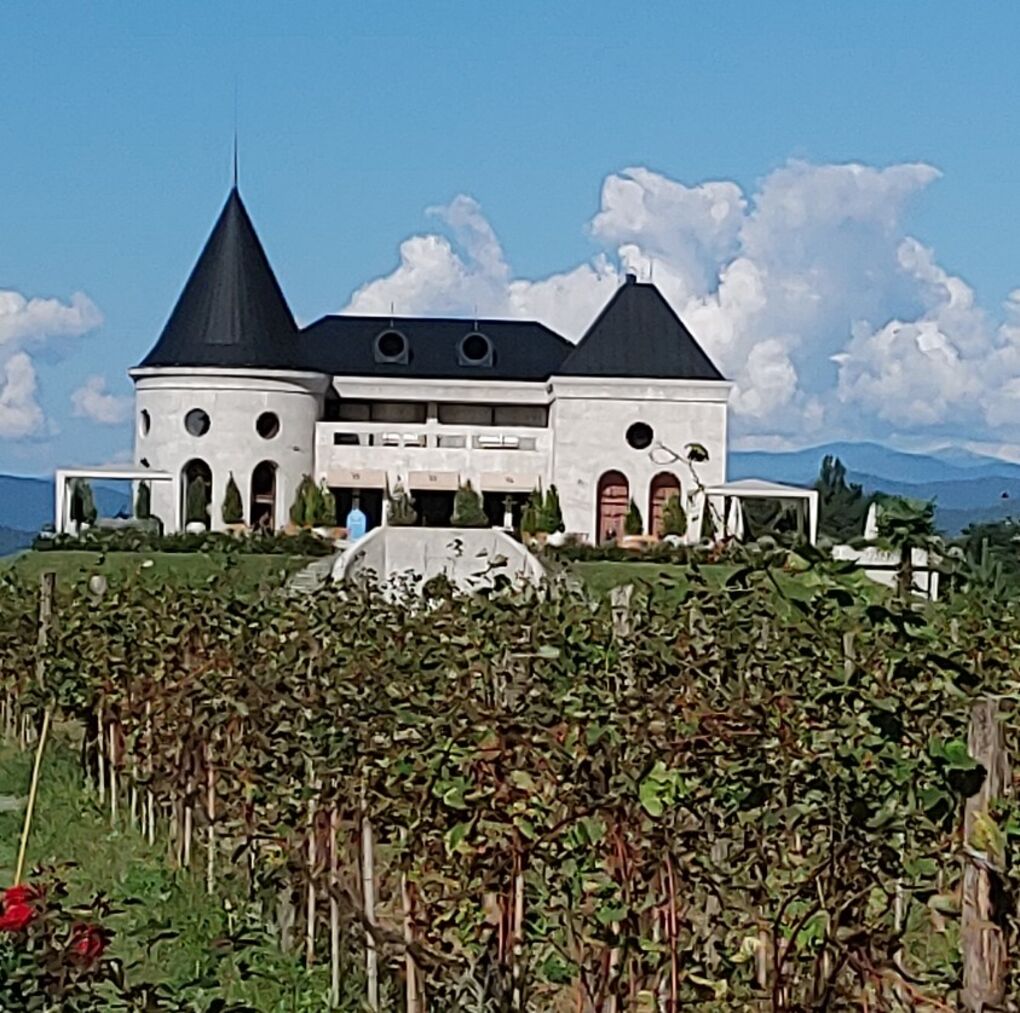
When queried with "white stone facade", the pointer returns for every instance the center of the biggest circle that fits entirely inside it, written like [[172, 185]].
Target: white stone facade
[[584, 435], [233, 400]]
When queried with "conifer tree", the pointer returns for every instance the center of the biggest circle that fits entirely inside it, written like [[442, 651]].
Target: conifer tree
[[233, 508], [467, 509]]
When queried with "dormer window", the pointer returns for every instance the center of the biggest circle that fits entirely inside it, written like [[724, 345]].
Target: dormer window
[[391, 347], [475, 349]]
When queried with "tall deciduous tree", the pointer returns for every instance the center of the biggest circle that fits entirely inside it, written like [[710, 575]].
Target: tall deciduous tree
[[843, 506]]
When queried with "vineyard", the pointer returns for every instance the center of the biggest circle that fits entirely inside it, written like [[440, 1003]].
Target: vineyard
[[722, 800]]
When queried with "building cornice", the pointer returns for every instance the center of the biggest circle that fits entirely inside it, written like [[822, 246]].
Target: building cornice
[[633, 389]]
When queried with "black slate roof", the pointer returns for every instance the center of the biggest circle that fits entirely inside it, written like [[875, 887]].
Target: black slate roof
[[639, 335], [346, 345], [232, 311]]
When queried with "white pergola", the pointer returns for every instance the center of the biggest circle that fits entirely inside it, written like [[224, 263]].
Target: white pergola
[[64, 476], [726, 500]]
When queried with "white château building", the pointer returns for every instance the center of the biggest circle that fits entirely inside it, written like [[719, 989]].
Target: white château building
[[234, 387]]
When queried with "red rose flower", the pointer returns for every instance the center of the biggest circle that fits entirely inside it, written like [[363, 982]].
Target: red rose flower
[[17, 917], [22, 894], [88, 943]]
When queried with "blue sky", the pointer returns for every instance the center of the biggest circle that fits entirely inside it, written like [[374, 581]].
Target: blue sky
[[513, 119]]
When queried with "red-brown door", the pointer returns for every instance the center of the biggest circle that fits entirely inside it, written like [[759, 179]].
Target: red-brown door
[[663, 486], [611, 505]]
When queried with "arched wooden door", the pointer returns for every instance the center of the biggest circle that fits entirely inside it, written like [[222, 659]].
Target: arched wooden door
[[611, 505], [664, 486], [263, 497]]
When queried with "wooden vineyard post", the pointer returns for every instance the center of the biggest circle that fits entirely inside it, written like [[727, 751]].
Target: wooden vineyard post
[[982, 937], [114, 787], [210, 812], [312, 859], [410, 966], [368, 892], [334, 907], [100, 752], [619, 598], [150, 801], [47, 585]]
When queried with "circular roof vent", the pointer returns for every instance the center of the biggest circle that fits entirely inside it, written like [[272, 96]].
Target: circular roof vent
[[391, 346], [475, 349]]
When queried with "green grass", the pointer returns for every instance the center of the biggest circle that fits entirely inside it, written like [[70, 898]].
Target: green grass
[[248, 571], [71, 829]]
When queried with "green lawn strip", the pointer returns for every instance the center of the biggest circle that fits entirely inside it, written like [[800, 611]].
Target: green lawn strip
[[249, 571], [71, 830]]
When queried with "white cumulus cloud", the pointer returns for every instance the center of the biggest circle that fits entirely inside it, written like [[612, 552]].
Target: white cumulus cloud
[[28, 324], [94, 402], [24, 321], [20, 413], [808, 292]]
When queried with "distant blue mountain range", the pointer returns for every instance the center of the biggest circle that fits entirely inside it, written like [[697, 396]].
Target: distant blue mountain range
[[26, 504], [966, 487]]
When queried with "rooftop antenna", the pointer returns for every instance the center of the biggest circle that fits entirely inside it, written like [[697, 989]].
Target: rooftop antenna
[[392, 304], [651, 269], [235, 133]]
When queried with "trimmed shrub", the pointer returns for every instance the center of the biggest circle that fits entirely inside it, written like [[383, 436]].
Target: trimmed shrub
[[632, 523], [302, 512], [325, 507], [197, 502], [143, 502], [674, 518], [552, 515], [467, 509], [233, 509]]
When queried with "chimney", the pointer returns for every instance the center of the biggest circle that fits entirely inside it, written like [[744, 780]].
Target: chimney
[[631, 278]]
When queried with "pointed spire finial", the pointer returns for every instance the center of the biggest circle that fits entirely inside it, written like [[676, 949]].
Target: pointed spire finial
[[235, 133]]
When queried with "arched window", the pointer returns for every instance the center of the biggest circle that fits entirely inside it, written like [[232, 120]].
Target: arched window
[[664, 486], [611, 504], [263, 496], [196, 488]]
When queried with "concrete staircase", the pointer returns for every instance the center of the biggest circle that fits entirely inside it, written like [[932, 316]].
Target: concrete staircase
[[310, 578]]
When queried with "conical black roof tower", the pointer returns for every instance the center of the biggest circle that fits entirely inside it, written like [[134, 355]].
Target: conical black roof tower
[[232, 312], [639, 335]]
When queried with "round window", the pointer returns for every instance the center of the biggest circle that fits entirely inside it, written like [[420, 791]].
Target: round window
[[197, 422], [267, 425], [144, 422], [639, 435], [391, 344], [475, 347]]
